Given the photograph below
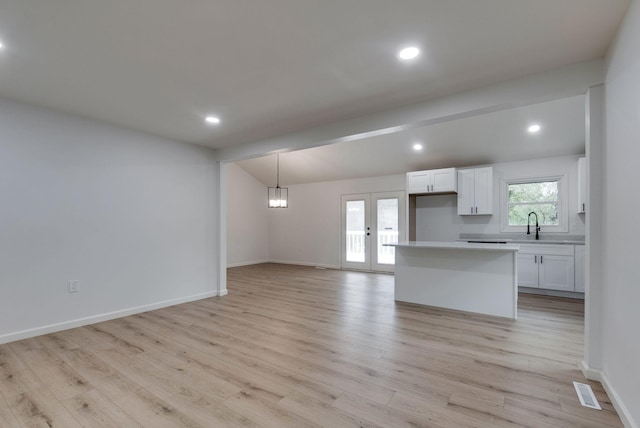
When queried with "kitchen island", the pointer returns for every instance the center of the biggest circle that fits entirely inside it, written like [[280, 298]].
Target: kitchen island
[[473, 277]]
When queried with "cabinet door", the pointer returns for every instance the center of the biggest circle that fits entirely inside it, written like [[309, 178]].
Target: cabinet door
[[582, 185], [443, 180], [466, 192], [483, 187], [527, 270], [418, 182], [579, 268], [556, 272]]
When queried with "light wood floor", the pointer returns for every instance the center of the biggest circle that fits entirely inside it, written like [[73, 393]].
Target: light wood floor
[[297, 346]]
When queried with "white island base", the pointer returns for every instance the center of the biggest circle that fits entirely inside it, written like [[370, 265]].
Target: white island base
[[480, 278]]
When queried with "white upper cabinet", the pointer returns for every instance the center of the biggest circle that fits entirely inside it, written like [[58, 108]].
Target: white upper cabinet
[[475, 191], [418, 182], [432, 181], [582, 185]]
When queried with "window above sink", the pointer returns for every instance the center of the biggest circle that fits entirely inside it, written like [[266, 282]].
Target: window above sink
[[545, 196]]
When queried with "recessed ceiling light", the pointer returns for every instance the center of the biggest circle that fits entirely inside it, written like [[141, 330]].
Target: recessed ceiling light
[[417, 147], [534, 128], [409, 53], [1, 45], [214, 120]]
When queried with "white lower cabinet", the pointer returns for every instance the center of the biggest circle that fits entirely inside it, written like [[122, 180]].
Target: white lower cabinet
[[549, 267], [556, 273], [580, 268], [528, 270]]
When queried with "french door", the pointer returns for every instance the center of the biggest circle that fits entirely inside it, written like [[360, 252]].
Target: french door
[[370, 220]]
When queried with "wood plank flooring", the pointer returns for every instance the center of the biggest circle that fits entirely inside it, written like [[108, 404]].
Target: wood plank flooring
[[297, 346]]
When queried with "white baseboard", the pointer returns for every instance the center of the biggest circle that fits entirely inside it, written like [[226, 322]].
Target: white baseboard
[[555, 293], [283, 262], [52, 328], [590, 373], [256, 262], [288, 262], [618, 404]]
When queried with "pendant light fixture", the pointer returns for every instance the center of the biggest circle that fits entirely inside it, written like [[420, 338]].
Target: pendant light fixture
[[278, 196]]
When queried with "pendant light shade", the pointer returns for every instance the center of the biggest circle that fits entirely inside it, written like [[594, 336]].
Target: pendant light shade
[[278, 197]]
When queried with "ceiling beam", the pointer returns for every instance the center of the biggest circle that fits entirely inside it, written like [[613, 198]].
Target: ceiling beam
[[555, 84]]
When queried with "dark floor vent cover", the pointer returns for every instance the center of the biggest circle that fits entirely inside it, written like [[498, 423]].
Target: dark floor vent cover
[[586, 396]]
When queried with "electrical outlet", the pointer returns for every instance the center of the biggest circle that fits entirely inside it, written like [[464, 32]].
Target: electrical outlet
[[74, 286]]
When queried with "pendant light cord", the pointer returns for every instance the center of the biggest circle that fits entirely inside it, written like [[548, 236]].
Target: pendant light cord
[[278, 170]]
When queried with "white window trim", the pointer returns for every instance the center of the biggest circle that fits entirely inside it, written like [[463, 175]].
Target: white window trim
[[563, 199]]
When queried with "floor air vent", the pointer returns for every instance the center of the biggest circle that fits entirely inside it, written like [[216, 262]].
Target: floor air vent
[[585, 394]]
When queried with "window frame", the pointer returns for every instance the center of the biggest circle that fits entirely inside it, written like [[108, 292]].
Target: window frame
[[563, 199]]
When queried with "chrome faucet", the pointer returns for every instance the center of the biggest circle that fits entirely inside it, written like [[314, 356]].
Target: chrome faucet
[[537, 227]]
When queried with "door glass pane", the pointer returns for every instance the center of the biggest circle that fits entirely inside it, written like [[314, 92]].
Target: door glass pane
[[355, 231], [387, 230]]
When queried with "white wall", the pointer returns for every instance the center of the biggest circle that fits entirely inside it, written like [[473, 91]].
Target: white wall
[[437, 217], [308, 232], [131, 216], [621, 231], [247, 218]]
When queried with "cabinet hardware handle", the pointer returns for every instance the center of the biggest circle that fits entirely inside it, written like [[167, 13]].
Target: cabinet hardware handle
[[535, 259], [476, 210], [471, 210], [540, 259], [583, 207]]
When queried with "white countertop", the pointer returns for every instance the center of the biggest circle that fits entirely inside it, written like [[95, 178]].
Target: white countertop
[[457, 245], [526, 241]]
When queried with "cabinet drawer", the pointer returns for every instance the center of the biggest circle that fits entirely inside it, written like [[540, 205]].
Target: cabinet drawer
[[547, 249]]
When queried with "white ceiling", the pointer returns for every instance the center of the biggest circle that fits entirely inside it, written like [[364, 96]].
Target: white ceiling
[[489, 138], [273, 67]]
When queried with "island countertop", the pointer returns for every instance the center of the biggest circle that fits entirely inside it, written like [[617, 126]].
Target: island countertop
[[457, 245]]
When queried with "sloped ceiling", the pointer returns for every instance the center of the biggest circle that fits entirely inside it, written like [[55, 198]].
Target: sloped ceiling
[[489, 138]]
